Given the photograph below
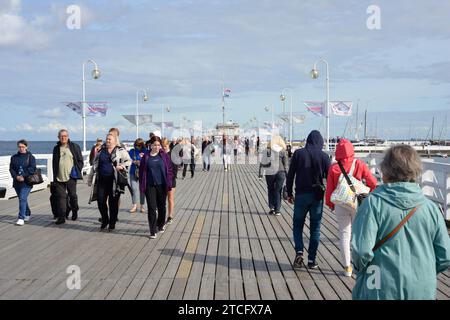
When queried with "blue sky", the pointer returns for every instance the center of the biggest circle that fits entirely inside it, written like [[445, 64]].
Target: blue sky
[[180, 50]]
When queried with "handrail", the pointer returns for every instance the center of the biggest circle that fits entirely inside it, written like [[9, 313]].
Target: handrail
[[47, 168]]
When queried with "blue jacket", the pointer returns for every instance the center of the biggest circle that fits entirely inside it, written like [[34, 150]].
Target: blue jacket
[[135, 156], [404, 267], [307, 173], [28, 163]]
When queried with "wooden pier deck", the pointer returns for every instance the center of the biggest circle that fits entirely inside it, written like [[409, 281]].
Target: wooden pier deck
[[222, 245]]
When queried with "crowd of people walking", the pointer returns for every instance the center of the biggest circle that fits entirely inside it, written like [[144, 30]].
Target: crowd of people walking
[[388, 227]]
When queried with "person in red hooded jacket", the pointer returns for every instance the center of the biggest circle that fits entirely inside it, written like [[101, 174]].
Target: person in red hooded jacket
[[345, 154]]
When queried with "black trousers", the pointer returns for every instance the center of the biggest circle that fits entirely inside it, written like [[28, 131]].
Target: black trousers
[[192, 167], [106, 193], [62, 191], [156, 199], [274, 188]]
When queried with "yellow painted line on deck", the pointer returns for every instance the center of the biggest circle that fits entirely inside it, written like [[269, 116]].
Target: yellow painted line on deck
[[188, 258], [225, 199]]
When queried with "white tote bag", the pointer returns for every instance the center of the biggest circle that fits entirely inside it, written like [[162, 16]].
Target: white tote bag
[[343, 194]]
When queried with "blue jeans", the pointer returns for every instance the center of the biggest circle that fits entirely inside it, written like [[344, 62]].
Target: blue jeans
[[23, 191], [137, 194], [304, 203], [274, 187]]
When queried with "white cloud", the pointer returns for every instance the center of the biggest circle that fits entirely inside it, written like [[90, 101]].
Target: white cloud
[[12, 6], [26, 127], [54, 113], [15, 30]]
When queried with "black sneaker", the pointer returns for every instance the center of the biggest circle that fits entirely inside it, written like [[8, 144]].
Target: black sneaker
[[298, 261], [278, 213], [272, 211], [60, 221], [312, 265], [74, 216], [104, 225]]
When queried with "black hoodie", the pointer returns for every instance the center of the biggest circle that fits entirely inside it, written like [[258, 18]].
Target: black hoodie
[[308, 173]]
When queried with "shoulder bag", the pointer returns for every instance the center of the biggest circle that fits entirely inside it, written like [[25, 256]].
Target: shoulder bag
[[35, 178]]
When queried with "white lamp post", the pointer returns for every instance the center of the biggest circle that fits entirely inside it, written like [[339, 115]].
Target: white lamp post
[[315, 75], [145, 98], [271, 109], [95, 75], [283, 98], [163, 109]]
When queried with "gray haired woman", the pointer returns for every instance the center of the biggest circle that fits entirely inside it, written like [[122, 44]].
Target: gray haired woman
[[399, 234]]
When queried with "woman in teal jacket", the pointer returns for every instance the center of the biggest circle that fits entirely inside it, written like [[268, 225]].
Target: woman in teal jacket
[[405, 266]]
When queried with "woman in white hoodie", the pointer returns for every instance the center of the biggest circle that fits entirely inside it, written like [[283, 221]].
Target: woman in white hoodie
[[274, 162]]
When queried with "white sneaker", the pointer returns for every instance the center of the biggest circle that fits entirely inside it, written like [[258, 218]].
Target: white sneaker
[[20, 222], [348, 271], [27, 219], [153, 236]]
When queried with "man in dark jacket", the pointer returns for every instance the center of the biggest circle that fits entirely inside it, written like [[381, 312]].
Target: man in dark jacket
[[309, 166], [67, 169]]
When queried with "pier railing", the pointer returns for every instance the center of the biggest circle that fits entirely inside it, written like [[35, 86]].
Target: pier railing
[[44, 162], [435, 180]]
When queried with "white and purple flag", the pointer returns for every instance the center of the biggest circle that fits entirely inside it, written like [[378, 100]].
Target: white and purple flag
[[341, 108], [93, 109]]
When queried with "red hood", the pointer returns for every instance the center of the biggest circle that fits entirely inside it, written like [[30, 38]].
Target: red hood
[[345, 151]]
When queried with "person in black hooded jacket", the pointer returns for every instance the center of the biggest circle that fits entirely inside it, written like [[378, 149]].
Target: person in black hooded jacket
[[309, 166], [67, 169]]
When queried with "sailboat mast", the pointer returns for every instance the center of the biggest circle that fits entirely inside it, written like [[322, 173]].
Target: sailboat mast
[[356, 124], [432, 130], [223, 100], [365, 125]]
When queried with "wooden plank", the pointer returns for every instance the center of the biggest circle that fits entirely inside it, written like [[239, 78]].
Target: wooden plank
[[222, 245], [194, 281], [221, 291], [209, 271], [251, 290]]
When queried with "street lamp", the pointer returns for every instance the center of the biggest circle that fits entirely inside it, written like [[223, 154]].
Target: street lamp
[[95, 75], [166, 109], [315, 75], [267, 108], [145, 98], [283, 98]]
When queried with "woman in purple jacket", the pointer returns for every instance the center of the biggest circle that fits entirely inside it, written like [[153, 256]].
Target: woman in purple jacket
[[155, 180]]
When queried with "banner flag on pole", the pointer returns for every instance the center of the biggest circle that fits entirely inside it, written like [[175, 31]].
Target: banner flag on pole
[[299, 118], [226, 92], [93, 109], [75, 107], [296, 117], [143, 118], [167, 125], [341, 108], [96, 109], [318, 108]]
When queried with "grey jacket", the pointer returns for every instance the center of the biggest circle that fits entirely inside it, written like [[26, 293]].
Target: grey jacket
[[273, 162], [119, 156]]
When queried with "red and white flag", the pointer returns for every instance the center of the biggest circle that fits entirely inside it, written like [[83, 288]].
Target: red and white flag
[[318, 108]]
